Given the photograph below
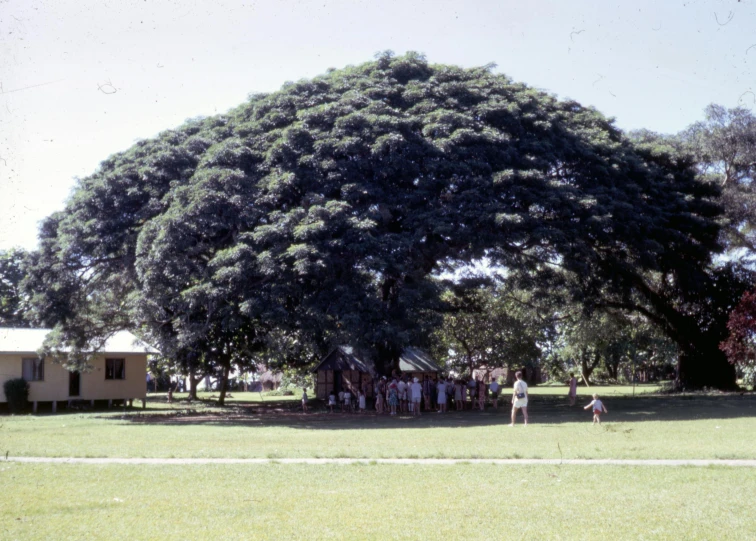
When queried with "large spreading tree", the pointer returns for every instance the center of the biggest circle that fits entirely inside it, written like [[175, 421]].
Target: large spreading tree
[[323, 211]]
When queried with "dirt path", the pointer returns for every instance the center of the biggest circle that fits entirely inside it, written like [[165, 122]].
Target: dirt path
[[417, 461]]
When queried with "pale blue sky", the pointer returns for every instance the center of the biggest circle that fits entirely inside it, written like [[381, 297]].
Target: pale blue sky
[[82, 79]]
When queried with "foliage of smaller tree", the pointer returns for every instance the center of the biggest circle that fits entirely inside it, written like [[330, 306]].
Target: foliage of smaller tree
[[740, 346]]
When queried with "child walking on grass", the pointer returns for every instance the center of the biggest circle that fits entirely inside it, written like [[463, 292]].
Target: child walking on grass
[[304, 400], [598, 408]]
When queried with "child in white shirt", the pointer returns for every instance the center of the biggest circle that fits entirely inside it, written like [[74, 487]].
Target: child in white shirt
[[341, 400], [598, 407], [304, 400], [347, 401]]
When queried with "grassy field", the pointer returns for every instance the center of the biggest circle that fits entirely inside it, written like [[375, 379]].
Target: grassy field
[[644, 426], [370, 501], [62, 502]]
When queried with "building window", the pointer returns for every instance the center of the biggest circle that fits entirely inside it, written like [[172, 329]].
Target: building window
[[115, 368], [33, 369]]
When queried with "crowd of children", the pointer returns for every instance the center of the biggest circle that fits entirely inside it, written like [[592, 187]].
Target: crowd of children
[[402, 395]]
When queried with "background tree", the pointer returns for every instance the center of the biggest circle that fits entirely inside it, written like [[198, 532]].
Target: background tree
[[611, 345], [724, 145], [488, 327]]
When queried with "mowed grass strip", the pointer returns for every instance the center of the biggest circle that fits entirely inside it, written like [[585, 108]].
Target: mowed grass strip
[[645, 427], [56, 501]]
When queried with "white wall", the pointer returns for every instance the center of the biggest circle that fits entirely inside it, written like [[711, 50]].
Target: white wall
[[93, 386]]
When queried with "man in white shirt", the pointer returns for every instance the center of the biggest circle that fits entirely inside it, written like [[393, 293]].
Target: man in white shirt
[[520, 398]]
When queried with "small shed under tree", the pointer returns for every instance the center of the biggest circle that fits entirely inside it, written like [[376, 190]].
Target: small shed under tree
[[341, 370], [417, 364]]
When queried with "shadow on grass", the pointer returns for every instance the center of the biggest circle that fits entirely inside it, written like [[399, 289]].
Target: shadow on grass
[[543, 410]]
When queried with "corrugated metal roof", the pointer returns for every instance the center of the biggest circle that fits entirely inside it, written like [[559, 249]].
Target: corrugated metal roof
[[30, 340], [343, 358], [416, 360]]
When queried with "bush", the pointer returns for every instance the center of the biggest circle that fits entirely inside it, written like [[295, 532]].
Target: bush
[[280, 392], [749, 377], [17, 394]]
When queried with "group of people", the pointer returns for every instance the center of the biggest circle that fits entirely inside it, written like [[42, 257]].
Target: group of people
[[400, 395]]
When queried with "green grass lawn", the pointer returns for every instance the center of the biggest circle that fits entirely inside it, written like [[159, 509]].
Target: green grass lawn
[[645, 426], [465, 501], [371, 501]]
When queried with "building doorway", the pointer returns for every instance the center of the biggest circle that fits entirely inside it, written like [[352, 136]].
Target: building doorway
[[337, 381]]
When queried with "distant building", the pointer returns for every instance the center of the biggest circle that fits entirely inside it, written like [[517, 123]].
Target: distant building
[[118, 371]]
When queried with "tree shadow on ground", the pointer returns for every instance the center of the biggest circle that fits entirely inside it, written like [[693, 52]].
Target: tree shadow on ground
[[543, 410]]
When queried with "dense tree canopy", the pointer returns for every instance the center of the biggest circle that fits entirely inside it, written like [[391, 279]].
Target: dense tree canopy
[[322, 212]]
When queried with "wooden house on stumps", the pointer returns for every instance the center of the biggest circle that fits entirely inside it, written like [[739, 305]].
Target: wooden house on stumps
[[343, 370]]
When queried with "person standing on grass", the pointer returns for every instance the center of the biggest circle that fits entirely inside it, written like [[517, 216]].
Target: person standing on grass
[[482, 394], [393, 396], [459, 393], [348, 401], [441, 399], [572, 395], [401, 388], [379, 402], [331, 400], [362, 401], [427, 384], [471, 387], [381, 394], [519, 398], [598, 408], [494, 388], [304, 400], [416, 391]]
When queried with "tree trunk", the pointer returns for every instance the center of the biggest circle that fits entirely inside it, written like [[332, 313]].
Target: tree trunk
[[612, 365], [386, 360], [224, 383], [193, 381], [705, 366], [701, 363], [588, 366]]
